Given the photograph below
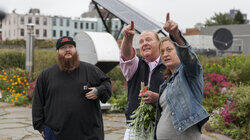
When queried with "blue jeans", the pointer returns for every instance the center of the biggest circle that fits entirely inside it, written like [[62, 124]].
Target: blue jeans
[[49, 134]]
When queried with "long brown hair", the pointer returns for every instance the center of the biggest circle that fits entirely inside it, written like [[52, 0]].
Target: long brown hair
[[166, 72]]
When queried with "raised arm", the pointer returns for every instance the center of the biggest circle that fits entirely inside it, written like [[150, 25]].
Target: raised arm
[[185, 52], [127, 43]]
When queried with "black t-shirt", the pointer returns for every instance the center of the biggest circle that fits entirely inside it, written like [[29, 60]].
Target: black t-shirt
[[59, 102]]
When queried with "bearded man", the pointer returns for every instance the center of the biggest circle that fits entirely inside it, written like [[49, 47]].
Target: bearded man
[[67, 95]]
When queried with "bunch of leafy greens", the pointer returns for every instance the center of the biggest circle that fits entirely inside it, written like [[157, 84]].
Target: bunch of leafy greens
[[143, 118]]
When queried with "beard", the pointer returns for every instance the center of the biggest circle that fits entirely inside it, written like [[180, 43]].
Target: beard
[[68, 64]]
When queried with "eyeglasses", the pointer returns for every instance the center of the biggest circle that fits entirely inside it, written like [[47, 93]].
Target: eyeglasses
[[66, 47]]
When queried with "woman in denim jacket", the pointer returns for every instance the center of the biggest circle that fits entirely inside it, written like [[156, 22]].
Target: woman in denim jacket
[[180, 114]]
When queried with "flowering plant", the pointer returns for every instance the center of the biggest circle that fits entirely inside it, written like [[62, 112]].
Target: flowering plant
[[216, 83], [14, 85]]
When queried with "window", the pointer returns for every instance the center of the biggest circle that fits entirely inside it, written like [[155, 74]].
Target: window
[[54, 33], [61, 22], [92, 26], [37, 32], [75, 34], [30, 20], [81, 25], [67, 33], [75, 25], [67, 22], [61, 33], [44, 33], [22, 32], [37, 20], [87, 25], [54, 21], [44, 21]]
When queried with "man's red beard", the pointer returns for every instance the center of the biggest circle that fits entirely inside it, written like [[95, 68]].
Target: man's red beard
[[68, 64]]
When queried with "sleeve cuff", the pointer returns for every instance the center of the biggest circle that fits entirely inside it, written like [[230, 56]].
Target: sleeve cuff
[[187, 45], [95, 91]]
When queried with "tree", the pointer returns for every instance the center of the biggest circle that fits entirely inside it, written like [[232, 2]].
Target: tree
[[219, 19], [239, 19]]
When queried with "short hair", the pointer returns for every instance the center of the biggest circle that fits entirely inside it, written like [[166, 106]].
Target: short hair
[[163, 39]]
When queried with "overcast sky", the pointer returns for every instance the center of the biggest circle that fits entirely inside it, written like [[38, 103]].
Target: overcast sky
[[185, 12]]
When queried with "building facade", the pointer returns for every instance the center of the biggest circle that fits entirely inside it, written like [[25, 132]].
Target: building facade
[[14, 26]]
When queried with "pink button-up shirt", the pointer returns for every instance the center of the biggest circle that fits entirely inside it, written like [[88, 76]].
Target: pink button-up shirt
[[129, 67]]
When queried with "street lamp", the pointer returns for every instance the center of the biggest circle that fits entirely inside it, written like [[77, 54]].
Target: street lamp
[[30, 49]]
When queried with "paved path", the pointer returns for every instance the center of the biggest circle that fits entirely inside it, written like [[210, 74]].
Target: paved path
[[15, 124]]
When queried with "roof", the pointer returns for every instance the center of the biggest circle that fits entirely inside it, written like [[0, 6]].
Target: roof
[[126, 13]]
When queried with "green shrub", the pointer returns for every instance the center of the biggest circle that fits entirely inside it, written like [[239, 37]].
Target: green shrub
[[120, 102], [19, 42], [22, 43], [42, 59], [45, 43], [116, 74], [11, 59], [236, 67]]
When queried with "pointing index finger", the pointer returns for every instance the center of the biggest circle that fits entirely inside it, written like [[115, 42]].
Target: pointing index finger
[[167, 18], [132, 25]]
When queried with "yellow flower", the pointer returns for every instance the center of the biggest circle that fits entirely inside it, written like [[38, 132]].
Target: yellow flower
[[25, 80], [0, 79], [24, 91], [8, 88], [13, 91], [18, 94], [1, 75], [17, 76], [4, 73], [4, 79], [15, 98], [27, 84], [19, 81], [10, 80], [14, 76], [12, 87], [13, 84], [12, 100]]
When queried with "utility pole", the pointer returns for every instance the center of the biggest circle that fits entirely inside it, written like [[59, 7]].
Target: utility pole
[[30, 49]]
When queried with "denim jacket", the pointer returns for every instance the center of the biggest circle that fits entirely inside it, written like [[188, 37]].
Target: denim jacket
[[184, 92]]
